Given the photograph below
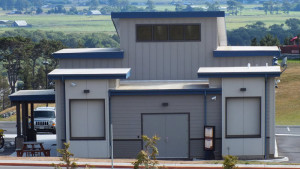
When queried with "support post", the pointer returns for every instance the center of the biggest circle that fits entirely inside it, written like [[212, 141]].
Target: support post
[[18, 119], [31, 116], [23, 121]]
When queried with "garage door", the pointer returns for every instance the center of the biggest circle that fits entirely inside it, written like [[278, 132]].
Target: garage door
[[243, 117], [173, 130]]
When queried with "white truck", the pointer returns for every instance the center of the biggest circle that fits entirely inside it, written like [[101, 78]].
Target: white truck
[[45, 119]]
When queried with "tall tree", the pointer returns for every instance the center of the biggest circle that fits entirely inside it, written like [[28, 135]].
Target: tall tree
[[13, 50], [213, 6], [234, 7], [269, 40], [286, 6], [94, 4], [150, 5]]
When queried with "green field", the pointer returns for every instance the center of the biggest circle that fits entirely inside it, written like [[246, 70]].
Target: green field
[[88, 24]]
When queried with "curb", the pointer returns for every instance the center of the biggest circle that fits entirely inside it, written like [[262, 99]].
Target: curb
[[169, 167]]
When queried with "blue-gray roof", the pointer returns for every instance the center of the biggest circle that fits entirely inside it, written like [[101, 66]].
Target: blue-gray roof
[[252, 71], [240, 51], [106, 53], [35, 96], [167, 14], [94, 73]]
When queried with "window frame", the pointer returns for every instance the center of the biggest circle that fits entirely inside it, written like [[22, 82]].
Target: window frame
[[226, 120], [86, 138], [168, 25]]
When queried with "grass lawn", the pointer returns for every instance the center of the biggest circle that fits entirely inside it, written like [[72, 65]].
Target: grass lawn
[[288, 96]]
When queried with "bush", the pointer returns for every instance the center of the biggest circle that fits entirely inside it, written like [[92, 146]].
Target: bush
[[230, 162]]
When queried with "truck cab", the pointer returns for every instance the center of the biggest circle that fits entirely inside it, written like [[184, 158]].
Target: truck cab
[[45, 119]]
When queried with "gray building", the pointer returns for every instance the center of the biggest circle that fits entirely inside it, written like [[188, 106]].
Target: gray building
[[173, 76]]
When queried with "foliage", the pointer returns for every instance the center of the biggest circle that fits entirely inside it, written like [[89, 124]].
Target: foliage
[[66, 157], [244, 35], [213, 6], [4, 92], [230, 162], [147, 157], [234, 7]]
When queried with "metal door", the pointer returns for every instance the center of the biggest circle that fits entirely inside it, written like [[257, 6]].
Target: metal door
[[173, 130]]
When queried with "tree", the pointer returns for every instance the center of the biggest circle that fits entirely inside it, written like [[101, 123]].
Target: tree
[[13, 51], [147, 157], [94, 4], [254, 42], [4, 92], [269, 40], [268, 6], [213, 6], [293, 23], [286, 6], [73, 10], [39, 10], [150, 5], [234, 7]]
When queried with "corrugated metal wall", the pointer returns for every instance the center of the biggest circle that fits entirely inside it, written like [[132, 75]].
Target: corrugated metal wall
[[126, 118], [168, 60]]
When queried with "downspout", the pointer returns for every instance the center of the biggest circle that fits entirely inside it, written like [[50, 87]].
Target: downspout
[[205, 109], [266, 99], [110, 132], [65, 111]]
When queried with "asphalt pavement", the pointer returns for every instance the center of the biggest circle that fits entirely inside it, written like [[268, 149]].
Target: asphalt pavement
[[288, 142]]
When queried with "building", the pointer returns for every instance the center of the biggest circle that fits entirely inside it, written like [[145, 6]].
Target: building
[[20, 23], [173, 76], [94, 12]]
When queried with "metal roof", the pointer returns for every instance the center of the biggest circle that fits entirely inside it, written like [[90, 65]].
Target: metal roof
[[237, 51], [193, 14], [165, 87], [36, 96], [21, 23], [101, 73], [84, 53], [256, 71]]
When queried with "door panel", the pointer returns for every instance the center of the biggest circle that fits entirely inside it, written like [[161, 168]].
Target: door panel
[[177, 135], [234, 117], [173, 131]]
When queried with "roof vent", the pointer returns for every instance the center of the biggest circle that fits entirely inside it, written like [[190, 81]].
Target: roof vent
[[249, 65]]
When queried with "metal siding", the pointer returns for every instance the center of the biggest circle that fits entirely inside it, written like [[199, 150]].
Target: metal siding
[[126, 149], [126, 112], [166, 60], [60, 117]]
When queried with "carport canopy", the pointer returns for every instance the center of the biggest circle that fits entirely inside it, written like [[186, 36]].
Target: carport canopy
[[25, 97]]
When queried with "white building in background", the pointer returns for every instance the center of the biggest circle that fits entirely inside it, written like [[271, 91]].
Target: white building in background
[[173, 76]]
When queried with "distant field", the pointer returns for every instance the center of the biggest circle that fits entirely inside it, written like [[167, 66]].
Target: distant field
[[65, 23], [84, 24]]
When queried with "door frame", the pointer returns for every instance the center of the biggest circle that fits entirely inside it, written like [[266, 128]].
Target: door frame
[[142, 130]]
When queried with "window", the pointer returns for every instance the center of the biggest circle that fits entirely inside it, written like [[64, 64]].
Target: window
[[160, 33], [176, 32], [243, 117], [170, 33], [87, 120], [144, 33], [192, 32]]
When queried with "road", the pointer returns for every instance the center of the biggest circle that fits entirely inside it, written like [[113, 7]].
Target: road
[[288, 142]]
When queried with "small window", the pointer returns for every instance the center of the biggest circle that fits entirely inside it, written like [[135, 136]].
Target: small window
[[144, 33], [160, 33], [192, 32], [176, 32]]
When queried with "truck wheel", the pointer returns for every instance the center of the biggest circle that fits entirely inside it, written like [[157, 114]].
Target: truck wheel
[[54, 131]]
